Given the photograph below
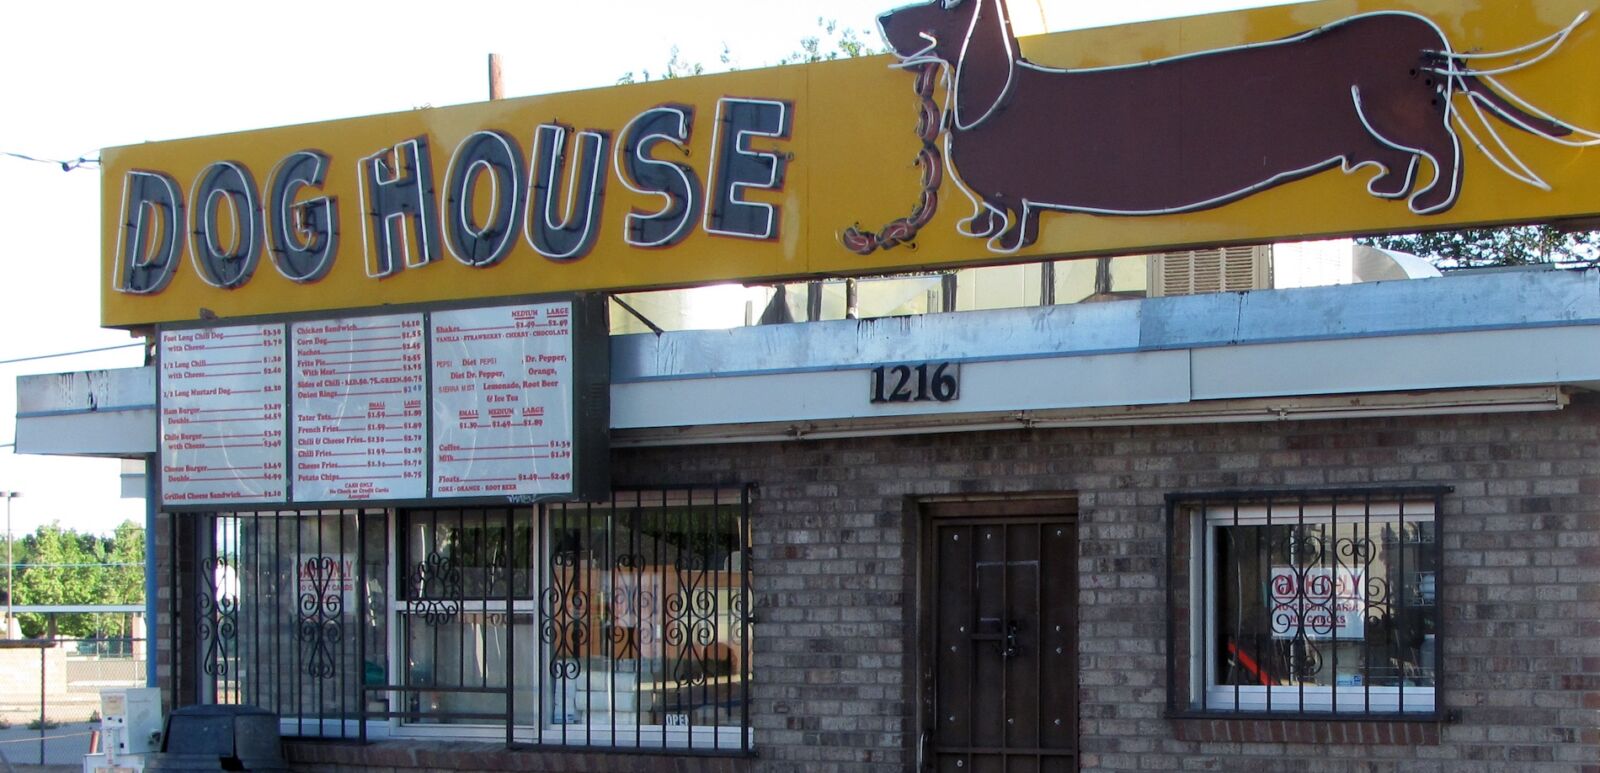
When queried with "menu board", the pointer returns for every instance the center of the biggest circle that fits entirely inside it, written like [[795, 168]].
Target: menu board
[[359, 389], [222, 415], [502, 401]]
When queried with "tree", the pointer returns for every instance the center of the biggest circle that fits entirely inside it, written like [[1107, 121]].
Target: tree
[[843, 43], [63, 566], [1510, 246], [676, 67], [832, 42]]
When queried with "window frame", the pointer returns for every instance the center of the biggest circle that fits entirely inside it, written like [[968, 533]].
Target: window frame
[[542, 731], [1194, 520]]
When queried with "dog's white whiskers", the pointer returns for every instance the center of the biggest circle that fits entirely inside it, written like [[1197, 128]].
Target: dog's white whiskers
[[1527, 175], [1516, 99], [1557, 38]]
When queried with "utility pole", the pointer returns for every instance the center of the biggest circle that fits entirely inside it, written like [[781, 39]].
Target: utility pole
[[497, 88], [10, 563]]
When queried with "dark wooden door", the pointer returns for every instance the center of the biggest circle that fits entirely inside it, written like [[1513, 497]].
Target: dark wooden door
[[1000, 656]]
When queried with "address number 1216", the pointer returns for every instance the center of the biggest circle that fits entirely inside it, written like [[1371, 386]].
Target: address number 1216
[[938, 382]]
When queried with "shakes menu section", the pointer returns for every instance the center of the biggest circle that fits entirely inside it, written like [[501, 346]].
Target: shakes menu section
[[502, 399], [359, 389], [222, 415]]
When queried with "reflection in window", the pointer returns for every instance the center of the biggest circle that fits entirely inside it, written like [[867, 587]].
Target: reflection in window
[[462, 570], [1315, 606], [628, 619], [643, 619], [621, 624], [288, 613]]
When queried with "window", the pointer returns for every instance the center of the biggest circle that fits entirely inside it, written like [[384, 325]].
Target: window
[[617, 624], [1316, 602], [459, 573]]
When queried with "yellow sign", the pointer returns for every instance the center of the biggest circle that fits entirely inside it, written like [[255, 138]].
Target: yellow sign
[[966, 146]]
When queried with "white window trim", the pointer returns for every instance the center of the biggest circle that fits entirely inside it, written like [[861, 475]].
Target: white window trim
[[1353, 700]]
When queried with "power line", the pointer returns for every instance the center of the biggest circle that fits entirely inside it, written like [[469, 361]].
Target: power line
[[69, 354], [81, 162]]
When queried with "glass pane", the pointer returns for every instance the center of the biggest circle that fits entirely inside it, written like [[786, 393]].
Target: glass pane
[[464, 554], [898, 296], [643, 616], [998, 287], [1321, 604], [278, 623], [1130, 275], [455, 664], [1101, 279], [1075, 279]]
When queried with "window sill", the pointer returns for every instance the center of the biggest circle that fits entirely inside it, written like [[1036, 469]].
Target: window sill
[[1422, 730], [480, 756]]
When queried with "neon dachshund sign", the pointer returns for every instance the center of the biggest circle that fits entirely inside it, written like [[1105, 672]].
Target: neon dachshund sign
[[1378, 93], [551, 199]]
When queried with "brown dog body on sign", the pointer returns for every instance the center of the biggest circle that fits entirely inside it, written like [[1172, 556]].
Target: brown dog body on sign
[[1197, 131]]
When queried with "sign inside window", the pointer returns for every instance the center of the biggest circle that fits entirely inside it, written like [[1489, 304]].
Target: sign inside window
[[1318, 603], [326, 582]]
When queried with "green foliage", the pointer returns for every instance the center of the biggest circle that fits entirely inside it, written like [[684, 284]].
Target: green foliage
[[62, 566], [831, 42], [1484, 247], [676, 68]]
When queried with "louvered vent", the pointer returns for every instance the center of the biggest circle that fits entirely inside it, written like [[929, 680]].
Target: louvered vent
[[1226, 269]]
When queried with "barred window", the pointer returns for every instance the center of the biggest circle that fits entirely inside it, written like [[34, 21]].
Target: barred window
[[1315, 602], [644, 624], [619, 624]]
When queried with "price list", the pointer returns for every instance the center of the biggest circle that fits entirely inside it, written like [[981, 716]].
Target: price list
[[222, 415], [358, 409], [502, 401]]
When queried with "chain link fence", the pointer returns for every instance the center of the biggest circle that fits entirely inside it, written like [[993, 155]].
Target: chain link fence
[[50, 694]]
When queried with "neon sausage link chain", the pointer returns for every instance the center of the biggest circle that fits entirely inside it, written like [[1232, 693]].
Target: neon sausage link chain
[[901, 230]]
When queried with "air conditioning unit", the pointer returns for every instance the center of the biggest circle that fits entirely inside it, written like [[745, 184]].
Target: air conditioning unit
[[1219, 270]]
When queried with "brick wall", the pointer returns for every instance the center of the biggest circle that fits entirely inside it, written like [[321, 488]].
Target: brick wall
[[834, 568], [833, 578]]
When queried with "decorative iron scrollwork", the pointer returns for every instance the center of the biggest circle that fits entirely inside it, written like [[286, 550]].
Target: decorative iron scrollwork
[[1327, 569], [217, 609], [564, 616], [631, 607], [436, 588], [692, 620], [321, 614], [739, 608]]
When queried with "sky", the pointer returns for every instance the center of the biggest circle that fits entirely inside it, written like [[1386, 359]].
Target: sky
[[77, 76]]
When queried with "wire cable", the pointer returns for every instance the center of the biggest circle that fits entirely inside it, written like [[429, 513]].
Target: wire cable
[[81, 162], [69, 354]]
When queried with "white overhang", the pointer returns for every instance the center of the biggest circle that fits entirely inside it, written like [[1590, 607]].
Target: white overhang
[[1492, 341], [88, 413], [1465, 343]]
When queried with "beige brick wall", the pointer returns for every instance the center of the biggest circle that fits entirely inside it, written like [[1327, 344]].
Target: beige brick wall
[[833, 579], [834, 568]]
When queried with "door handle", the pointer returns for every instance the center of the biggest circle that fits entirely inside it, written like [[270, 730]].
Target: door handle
[[1005, 644], [1008, 648]]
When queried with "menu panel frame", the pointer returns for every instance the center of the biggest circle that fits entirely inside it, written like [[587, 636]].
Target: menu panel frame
[[203, 448], [588, 406], [368, 453]]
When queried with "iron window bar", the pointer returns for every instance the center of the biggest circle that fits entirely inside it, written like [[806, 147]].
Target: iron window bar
[[1193, 646], [266, 599]]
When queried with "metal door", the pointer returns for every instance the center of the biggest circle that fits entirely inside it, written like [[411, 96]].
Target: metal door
[[1000, 646]]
